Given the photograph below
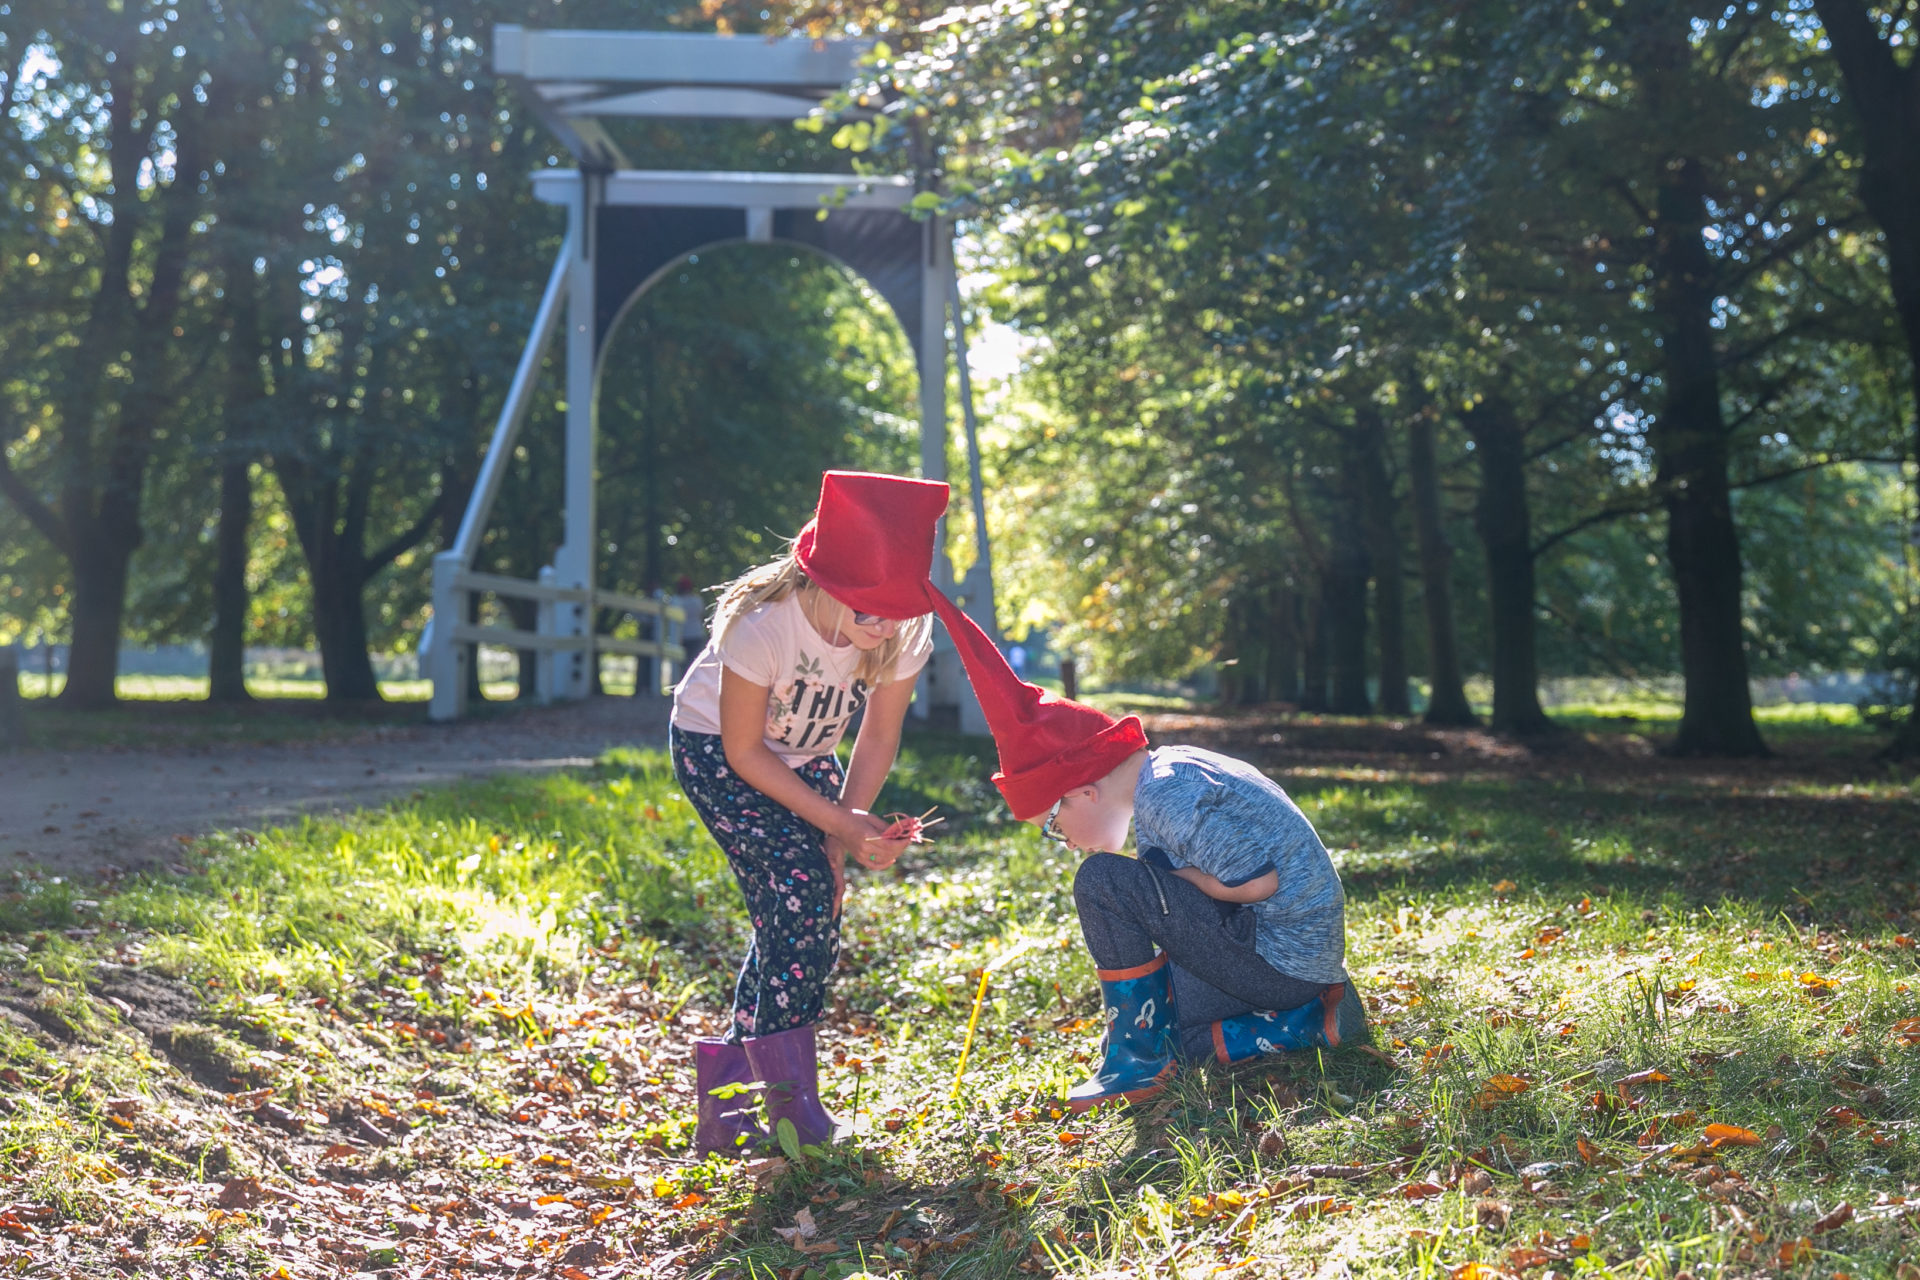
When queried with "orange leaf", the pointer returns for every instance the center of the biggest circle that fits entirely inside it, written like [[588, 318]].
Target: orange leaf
[[1792, 1251], [1527, 1257], [1650, 1076], [1727, 1135], [1476, 1271], [1070, 1139], [688, 1200], [1508, 1084], [1419, 1190], [1594, 1155]]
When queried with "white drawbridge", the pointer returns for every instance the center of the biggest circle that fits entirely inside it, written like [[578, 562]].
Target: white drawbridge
[[625, 228]]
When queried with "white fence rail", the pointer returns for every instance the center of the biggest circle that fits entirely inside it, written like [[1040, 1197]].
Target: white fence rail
[[564, 630]]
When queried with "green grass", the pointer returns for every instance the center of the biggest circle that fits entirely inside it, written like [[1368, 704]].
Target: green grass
[[1663, 715], [141, 688], [517, 965]]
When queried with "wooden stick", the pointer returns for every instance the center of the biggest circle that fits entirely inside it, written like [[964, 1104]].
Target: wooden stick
[[966, 1046]]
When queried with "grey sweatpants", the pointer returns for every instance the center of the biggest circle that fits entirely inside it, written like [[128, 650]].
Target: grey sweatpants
[[1128, 908]]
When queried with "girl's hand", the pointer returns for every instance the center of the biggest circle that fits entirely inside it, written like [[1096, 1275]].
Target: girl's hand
[[852, 838], [868, 842]]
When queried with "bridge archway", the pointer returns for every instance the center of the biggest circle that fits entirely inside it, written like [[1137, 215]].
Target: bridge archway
[[728, 380]]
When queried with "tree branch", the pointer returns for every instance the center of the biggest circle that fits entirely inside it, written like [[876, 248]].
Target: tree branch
[[408, 539], [1599, 517], [41, 516], [1826, 461]]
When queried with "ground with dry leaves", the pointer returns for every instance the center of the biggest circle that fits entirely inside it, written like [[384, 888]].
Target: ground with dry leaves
[[1635, 1018]]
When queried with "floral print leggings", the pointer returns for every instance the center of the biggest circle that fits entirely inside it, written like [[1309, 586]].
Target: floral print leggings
[[780, 860]]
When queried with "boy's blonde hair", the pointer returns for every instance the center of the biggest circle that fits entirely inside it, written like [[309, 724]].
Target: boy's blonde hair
[[774, 581]]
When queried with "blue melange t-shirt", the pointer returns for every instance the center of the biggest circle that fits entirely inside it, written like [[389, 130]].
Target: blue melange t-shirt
[[1226, 818]]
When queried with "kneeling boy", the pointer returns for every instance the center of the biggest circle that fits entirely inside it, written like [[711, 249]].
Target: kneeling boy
[[1226, 937]]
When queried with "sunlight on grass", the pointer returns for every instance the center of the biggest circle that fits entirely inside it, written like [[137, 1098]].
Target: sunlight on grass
[[141, 688], [1621, 1032]]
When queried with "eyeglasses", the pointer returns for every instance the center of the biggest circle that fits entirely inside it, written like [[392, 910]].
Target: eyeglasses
[[869, 619], [1048, 829]]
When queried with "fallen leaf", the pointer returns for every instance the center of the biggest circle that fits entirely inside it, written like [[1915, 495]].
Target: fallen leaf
[[1593, 1155], [1792, 1251], [1526, 1257], [1650, 1076], [1493, 1214], [802, 1230], [1419, 1190], [1477, 1271], [239, 1193], [1499, 1089], [1727, 1135], [1841, 1215]]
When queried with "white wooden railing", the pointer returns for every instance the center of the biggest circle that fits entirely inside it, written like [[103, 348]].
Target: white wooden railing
[[563, 632]]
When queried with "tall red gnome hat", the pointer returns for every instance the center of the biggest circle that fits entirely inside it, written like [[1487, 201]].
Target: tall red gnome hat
[[870, 542], [1048, 745]]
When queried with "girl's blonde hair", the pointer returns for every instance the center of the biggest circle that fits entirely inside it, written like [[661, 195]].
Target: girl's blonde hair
[[774, 581]]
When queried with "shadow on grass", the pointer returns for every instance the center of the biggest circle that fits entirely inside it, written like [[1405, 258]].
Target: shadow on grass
[[1838, 860], [990, 1216]]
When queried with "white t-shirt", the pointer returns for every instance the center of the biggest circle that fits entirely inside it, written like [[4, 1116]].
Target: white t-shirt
[[814, 695]]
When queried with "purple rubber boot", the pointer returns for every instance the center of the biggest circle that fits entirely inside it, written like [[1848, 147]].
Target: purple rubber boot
[[727, 1125], [785, 1063]]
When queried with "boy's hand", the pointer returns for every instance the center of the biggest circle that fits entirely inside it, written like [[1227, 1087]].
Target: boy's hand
[[1257, 889]]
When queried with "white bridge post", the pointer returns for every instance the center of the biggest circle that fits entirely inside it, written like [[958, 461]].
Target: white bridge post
[[446, 655], [573, 564]]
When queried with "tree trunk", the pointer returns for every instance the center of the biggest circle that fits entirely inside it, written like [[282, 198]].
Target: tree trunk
[[1885, 96], [329, 515], [1504, 523], [1313, 685], [1447, 703], [99, 604], [226, 641], [1690, 443], [1283, 645], [340, 626], [12, 728], [105, 528], [1383, 552], [1346, 601]]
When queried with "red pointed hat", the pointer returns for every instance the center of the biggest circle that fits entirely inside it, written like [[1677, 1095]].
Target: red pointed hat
[[870, 542], [1048, 745]]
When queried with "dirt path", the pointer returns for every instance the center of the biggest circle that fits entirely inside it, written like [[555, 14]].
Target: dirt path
[[79, 812]]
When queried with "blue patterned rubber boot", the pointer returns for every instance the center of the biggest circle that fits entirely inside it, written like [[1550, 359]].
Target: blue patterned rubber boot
[[1137, 1051], [1338, 1017]]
